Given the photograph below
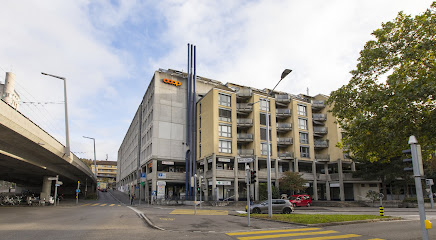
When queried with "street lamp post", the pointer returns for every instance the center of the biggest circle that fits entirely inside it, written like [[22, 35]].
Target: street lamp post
[[268, 152], [95, 159], [67, 141]]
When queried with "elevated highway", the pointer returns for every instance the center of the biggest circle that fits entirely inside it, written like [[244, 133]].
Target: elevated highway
[[28, 155]]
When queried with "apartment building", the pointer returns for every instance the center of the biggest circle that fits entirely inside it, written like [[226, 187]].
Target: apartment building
[[106, 171], [231, 125]]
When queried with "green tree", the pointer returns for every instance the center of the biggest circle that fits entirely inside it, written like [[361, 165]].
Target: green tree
[[88, 162], [391, 94], [263, 192], [292, 182]]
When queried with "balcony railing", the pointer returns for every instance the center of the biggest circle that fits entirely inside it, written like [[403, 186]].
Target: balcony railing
[[244, 122], [245, 152], [321, 143], [319, 117], [245, 137], [283, 98], [244, 93], [283, 127], [322, 157], [244, 107], [286, 155], [284, 141], [320, 130], [319, 104], [283, 112]]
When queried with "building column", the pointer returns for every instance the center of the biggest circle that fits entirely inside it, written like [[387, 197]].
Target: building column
[[341, 181], [327, 181], [276, 166], [315, 181], [353, 166], [46, 189], [214, 196], [236, 181], [147, 185], [296, 165], [256, 184], [206, 166], [154, 179]]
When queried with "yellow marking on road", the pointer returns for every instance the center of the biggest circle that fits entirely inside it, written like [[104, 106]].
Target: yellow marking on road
[[103, 205], [272, 231], [95, 204], [287, 235], [167, 219], [331, 237], [199, 212], [376, 239], [86, 204], [111, 205], [119, 205]]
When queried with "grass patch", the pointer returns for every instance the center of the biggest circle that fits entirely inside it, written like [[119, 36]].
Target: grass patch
[[316, 218]]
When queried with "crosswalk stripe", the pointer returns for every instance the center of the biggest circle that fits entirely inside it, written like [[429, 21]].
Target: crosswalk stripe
[[272, 231], [331, 237], [119, 205], [199, 212], [86, 204], [103, 205], [286, 235], [111, 205], [376, 239], [95, 204]]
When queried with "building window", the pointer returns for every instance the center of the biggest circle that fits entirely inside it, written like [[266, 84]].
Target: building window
[[225, 146], [304, 138], [225, 115], [373, 185], [263, 134], [264, 150], [304, 152], [199, 136], [199, 122], [224, 100], [200, 108], [302, 110], [225, 130], [264, 105], [263, 119], [302, 123]]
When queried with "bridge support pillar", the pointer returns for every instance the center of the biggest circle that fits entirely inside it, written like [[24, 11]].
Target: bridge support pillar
[[46, 189]]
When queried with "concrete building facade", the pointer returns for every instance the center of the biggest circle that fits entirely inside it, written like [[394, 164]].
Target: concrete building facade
[[231, 124]]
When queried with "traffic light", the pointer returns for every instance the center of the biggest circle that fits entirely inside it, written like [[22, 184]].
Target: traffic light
[[416, 159], [408, 160], [253, 176]]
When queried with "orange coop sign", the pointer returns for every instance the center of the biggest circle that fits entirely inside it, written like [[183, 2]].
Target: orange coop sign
[[150, 165], [172, 82]]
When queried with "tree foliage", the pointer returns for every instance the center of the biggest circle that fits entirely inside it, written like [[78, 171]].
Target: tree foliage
[[263, 192], [292, 182], [392, 92]]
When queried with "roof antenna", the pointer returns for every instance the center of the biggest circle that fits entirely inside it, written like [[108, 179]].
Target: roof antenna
[[308, 92], [106, 157]]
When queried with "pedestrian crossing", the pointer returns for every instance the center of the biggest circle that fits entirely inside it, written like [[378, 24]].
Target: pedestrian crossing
[[296, 234], [199, 212], [101, 205]]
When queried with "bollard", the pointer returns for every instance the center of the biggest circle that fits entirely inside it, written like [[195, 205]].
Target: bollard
[[382, 211]]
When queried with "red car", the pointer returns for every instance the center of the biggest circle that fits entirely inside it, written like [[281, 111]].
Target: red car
[[300, 200]]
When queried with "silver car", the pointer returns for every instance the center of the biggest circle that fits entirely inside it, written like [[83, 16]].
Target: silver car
[[278, 206]]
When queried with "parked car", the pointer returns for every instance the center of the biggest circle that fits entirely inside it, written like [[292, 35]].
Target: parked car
[[278, 206], [300, 200]]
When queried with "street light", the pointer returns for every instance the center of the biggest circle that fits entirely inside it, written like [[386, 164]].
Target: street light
[[268, 159], [95, 159], [67, 141]]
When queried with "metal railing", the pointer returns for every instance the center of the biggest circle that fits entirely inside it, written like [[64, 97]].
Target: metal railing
[[284, 126], [322, 157], [320, 130], [284, 141], [244, 92], [245, 137], [283, 112], [286, 155], [244, 107], [245, 152], [319, 117], [318, 104], [244, 122], [284, 98], [321, 143]]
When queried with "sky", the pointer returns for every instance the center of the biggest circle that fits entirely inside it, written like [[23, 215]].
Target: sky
[[109, 50]]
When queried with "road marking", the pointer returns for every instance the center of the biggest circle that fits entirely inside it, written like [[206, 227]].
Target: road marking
[[167, 219], [272, 231], [103, 205], [119, 205], [199, 212], [111, 205], [86, 204], [95, 204], [287, 235], [376, 239], [331, 237]]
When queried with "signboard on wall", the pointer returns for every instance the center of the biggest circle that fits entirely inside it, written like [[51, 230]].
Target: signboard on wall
[[245, 160], [161, 175], [167, 163], [171, 82], [225, 183], [334, 184], [223, 159]]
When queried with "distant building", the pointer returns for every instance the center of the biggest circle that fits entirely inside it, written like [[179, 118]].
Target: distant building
[[7, 186], [7, 91], [106, 172]]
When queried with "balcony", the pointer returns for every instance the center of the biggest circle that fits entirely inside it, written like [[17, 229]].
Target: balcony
[[321, 143], [244, 93], [244, 122], [284, 127], [319, 117], [283, 98], [283, 142], [245, 137], [320, 130], [318, 104], [245, 152], [283, 113], [244, 107], [286, 155], [322, 157]]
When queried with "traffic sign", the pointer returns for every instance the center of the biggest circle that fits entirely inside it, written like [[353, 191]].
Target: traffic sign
[[78, 190], [58, 183], [245, 160], [52, 178]]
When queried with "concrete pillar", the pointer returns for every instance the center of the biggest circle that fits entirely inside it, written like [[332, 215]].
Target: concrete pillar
[[46, 189], [327, 181], [315, 181], [341, 181], [353, 166], [214, 176], [276, 166], [147, 185], [9, 88], [206, 168], [256, 185], [154, 177], [296, 165], [236, 181]]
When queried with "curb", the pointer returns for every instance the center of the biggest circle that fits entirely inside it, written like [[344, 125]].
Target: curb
[[141, 215]]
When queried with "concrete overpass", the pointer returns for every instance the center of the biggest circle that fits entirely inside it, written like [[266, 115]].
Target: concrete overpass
[[28, 155]]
